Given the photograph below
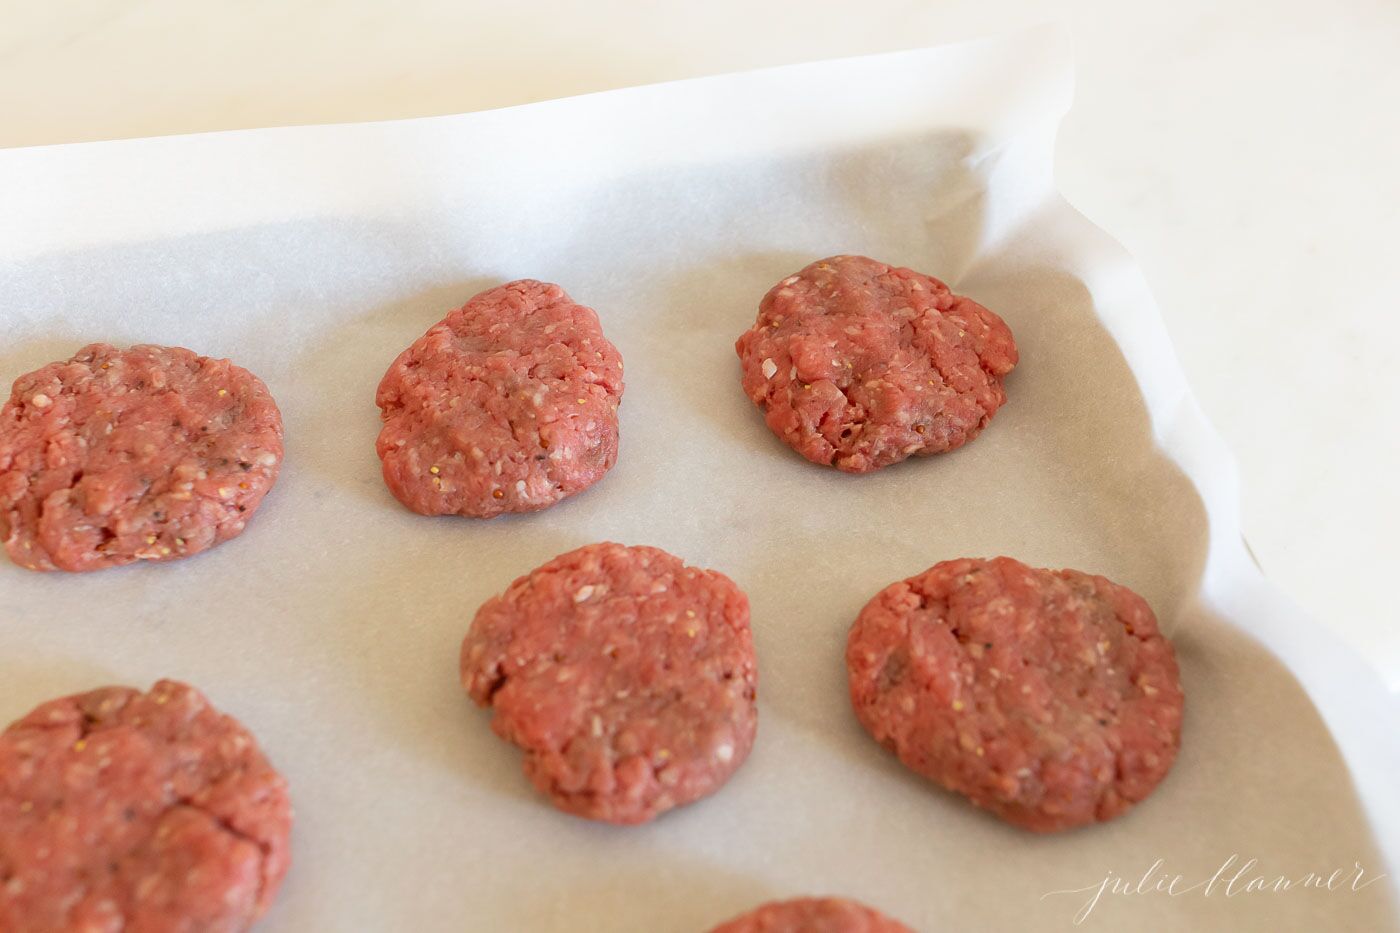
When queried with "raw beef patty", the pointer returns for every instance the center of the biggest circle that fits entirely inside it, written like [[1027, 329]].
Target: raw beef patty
[[858, 365], [137, 812], [149, 453], [813, 915], [627, 677], [1048, 697], [508, 404]]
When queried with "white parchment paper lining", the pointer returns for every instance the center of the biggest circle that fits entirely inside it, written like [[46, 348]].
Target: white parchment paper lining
[[312, 255]]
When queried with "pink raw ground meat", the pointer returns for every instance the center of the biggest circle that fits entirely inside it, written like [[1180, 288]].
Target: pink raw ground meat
[[509, 404], [813, 915], [627, 677], [124, 812], [858, 365], [1048, 697], [150, 453]]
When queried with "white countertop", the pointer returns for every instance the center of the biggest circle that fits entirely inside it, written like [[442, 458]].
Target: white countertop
[[1246, 153]]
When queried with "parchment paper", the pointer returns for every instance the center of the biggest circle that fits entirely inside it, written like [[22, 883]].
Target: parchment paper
[[331, 627]]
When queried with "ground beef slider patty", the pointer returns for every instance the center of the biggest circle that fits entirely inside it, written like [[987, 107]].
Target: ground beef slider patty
[[813, 915], [1048, 697], [149, 453], [139, 813], [627, 677], [508, 404], [858, 365]]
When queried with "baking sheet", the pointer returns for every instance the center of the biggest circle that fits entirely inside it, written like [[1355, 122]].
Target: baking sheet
[[331, 627]]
